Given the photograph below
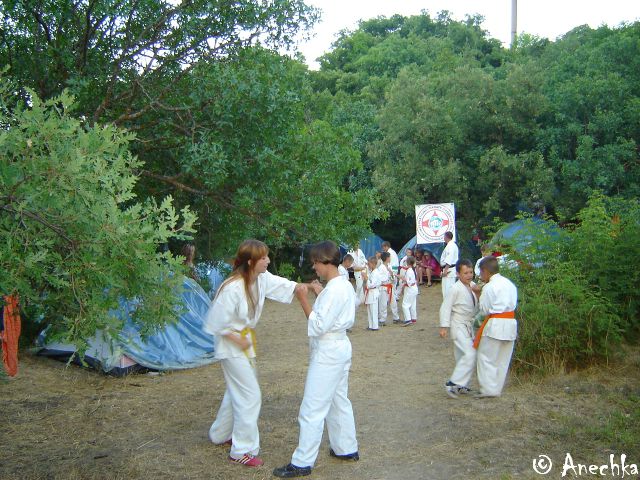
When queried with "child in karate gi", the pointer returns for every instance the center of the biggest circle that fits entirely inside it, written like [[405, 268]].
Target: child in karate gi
[[371, 293], [457, 312], [344, 267], [410, 289], [325, 391], [496, 336], [387, 278], [232, 318]]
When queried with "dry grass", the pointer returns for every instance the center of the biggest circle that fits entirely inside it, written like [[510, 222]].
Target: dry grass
[[68, 423]]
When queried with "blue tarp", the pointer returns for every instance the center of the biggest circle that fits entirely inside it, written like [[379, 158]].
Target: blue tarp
[[177, 346], [434, 248], [370, 245]]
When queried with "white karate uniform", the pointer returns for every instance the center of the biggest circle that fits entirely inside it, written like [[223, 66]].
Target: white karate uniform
[[344, 273], [359, 261], [395, 266], [383, 298], [410, 295], [449, 257], [325, 391], [372, 296], [457, 311], [238, 413], [496, 345]]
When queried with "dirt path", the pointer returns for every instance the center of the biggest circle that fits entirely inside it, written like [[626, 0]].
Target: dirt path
[[68, 423]]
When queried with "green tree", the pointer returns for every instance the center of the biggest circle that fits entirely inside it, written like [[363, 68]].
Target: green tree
[[74, 239]]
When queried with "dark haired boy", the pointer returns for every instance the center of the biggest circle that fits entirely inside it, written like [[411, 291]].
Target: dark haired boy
[[325, 391]]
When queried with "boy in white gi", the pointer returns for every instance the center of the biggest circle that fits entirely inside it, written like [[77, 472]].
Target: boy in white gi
[[448, 260], [232, 317], [371, 293], [387, 278], [325, 391], [344, 267], [410, 289], [457, 311], [394, 263], [495, 338], [359, 267]]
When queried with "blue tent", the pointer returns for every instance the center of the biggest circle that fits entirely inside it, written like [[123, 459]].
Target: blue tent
[[527, 236], [177, 346], [370, 245], [434, 248]]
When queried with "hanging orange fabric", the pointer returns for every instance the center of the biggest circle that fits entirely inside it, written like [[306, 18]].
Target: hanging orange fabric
[[10, 334], [478, 337]]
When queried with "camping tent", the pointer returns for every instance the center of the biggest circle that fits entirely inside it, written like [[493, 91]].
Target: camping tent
[[434, 248], [177, 346], [370, 245], [527, 236]]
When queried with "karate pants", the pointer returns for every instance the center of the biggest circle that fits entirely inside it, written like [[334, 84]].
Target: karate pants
[[409, 306], [372, 314], [325, 398], [394, 304], [494, 357], [359, 286], [447, 283], [383, 301], [464, 353], [238, 413]]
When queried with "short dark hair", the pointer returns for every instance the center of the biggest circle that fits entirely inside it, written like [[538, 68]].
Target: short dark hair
[[411, 260], [463, 262], [384, 256], [385, 244], [490, 265], [448, 235], [325, 252], [347, 258]]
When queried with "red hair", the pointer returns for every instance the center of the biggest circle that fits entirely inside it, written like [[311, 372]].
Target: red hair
[[249, 252]]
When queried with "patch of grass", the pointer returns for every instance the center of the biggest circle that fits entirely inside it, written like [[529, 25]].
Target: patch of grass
[[617, 429]]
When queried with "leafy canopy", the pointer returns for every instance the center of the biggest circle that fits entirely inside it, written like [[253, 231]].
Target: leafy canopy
[[75, 239]]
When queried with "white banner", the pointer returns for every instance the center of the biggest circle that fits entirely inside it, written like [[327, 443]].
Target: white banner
[[433, 220]]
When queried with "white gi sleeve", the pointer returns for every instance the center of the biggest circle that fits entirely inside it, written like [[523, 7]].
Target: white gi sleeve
[[277, 288]]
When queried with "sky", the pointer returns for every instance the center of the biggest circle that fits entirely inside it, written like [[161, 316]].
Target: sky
[[543, 18]]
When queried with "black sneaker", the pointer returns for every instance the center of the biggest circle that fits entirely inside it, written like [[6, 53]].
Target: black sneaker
[[291, 471], [397, 320], [349, 456]]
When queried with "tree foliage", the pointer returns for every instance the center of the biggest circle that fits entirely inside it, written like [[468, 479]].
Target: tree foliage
[[75, 239]]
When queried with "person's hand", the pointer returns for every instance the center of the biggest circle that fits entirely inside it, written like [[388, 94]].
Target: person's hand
[[301, 290], [316, 286], [444, 332], [244, 343]]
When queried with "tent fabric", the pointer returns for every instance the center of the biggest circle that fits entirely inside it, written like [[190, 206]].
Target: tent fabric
[[370, 245], [434, 248], [179, 345]]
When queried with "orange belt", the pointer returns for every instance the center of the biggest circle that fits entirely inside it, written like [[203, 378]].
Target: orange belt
[[476, 340], [389, 288]]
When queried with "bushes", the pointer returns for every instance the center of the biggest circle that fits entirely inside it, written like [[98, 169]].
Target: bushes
[[582, 301]]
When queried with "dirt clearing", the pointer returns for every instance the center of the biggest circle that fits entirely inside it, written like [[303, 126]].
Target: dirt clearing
[[63, 422]]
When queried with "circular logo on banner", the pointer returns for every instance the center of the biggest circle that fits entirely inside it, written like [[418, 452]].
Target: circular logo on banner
[[432, 221]]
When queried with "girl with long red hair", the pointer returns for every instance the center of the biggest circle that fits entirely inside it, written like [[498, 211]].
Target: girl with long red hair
[[232, 318]]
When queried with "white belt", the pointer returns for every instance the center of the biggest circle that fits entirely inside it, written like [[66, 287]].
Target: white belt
[[332, 336]]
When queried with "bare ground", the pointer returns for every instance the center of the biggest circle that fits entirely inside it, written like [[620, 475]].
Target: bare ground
[[63, 422]]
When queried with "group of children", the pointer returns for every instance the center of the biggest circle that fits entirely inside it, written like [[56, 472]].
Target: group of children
[[238, 304], [486, 349], [381, 281]]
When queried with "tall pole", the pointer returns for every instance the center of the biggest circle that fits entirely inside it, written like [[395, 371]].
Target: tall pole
[[514, 22]]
